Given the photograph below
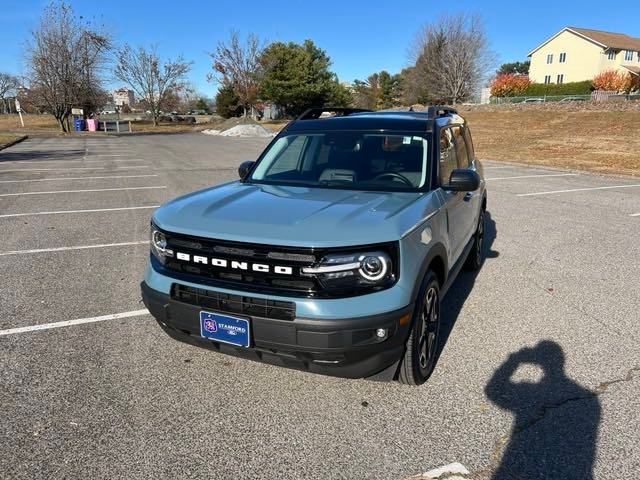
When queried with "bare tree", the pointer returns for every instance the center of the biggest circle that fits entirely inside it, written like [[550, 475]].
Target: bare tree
[[452, 59], [152, 80], [66, 57], [237, 65], [8, 88]]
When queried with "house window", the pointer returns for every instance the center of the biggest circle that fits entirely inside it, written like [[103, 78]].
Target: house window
[[560, 78], [563, 57], [611, 55], [550, 58], [547, 79], [639, 56], [628, 55]]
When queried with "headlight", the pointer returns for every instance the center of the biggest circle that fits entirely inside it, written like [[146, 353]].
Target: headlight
[[358, 269], [158, 242]]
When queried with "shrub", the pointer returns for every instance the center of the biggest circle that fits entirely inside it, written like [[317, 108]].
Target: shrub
[[610, 80], [509, 85], [571, 88]]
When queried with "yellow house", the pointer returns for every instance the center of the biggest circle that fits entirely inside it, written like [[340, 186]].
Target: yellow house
[[577, 54]]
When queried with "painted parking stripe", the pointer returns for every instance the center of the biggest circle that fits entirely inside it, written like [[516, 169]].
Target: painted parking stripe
[[59, 212], [69, 323], [77, 178], [635, 215], [69, 168], [551, 192], [67, 160], [77, 247], [535, 176], [52, 192]]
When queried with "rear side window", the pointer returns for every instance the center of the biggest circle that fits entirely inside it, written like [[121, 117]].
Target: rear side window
[[461, 148], [448, 158], [469, 142]]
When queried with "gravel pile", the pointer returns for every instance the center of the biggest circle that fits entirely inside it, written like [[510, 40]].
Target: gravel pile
[[246, 131], [239, 127]]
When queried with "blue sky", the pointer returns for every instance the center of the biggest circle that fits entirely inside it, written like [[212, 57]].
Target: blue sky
[[361, 37]]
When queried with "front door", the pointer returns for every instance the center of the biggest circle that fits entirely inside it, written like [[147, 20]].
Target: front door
[[454, 202]]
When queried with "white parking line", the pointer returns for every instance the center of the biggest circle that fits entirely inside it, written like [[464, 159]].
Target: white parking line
[[69, 323], [65, 249], [77, 178], [535, 176], [106, 155], [67, 160], [635, 215], [70, 168], [8, 215], [550, 192], [82, 191]]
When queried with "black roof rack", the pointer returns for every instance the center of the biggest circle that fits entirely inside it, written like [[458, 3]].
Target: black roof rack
[[316, 112], [435, 111]]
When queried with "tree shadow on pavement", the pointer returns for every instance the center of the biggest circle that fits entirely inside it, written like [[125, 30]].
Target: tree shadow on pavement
[[35, 155], [555, 419]]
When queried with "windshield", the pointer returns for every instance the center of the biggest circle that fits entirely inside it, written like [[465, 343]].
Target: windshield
[[351, 160]]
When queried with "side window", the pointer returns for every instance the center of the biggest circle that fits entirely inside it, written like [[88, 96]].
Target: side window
[[289, 158], [469, 142], [448, 158], [461, 149]]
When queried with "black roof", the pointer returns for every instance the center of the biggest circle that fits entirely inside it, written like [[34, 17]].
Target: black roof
[[357, 119]]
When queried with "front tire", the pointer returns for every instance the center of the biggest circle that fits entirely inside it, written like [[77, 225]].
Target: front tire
[[422, 347]]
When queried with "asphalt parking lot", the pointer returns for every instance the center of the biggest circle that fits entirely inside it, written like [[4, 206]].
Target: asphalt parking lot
[[111, 396]]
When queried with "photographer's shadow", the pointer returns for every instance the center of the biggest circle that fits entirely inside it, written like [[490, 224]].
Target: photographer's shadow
[[556, 420]]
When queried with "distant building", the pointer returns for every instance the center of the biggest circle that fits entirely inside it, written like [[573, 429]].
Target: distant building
[[123, 96], [485, 95], [577, 54]]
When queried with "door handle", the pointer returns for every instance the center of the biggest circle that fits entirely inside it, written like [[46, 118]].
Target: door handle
[[468, 196]]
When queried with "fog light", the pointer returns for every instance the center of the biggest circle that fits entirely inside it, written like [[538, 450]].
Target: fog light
[[381, 332]]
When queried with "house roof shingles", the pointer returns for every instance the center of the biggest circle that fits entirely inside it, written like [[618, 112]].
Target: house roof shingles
[[610, 39]]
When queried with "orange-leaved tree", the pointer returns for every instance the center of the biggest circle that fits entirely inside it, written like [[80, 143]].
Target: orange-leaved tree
[[613, 81], [509, 85]]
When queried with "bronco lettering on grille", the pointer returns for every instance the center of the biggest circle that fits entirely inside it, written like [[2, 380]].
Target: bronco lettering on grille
[[234, 264]]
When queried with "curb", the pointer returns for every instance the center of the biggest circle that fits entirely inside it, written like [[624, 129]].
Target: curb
[[17, 140]]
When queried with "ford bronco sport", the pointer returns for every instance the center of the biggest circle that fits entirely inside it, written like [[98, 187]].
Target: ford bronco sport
[[332, 252]]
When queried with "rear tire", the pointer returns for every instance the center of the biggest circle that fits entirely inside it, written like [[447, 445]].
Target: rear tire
[[422, 346], [476, 254]]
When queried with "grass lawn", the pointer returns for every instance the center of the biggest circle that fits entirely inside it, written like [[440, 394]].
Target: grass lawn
[[600, 141], [7, 137]]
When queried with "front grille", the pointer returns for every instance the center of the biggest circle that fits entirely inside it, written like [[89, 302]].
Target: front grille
[[293, 259], [239, 304], [256, 268]]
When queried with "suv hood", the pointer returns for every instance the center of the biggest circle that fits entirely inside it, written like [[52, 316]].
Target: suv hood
[[293, 216]]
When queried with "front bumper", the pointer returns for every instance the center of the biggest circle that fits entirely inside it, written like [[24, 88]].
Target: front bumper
[[345, 347]]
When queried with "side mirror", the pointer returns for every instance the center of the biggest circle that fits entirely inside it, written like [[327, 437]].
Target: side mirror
[[463, 180], [245, 168]]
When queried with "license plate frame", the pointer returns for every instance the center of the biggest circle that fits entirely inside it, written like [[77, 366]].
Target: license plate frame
[[220, 327]]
